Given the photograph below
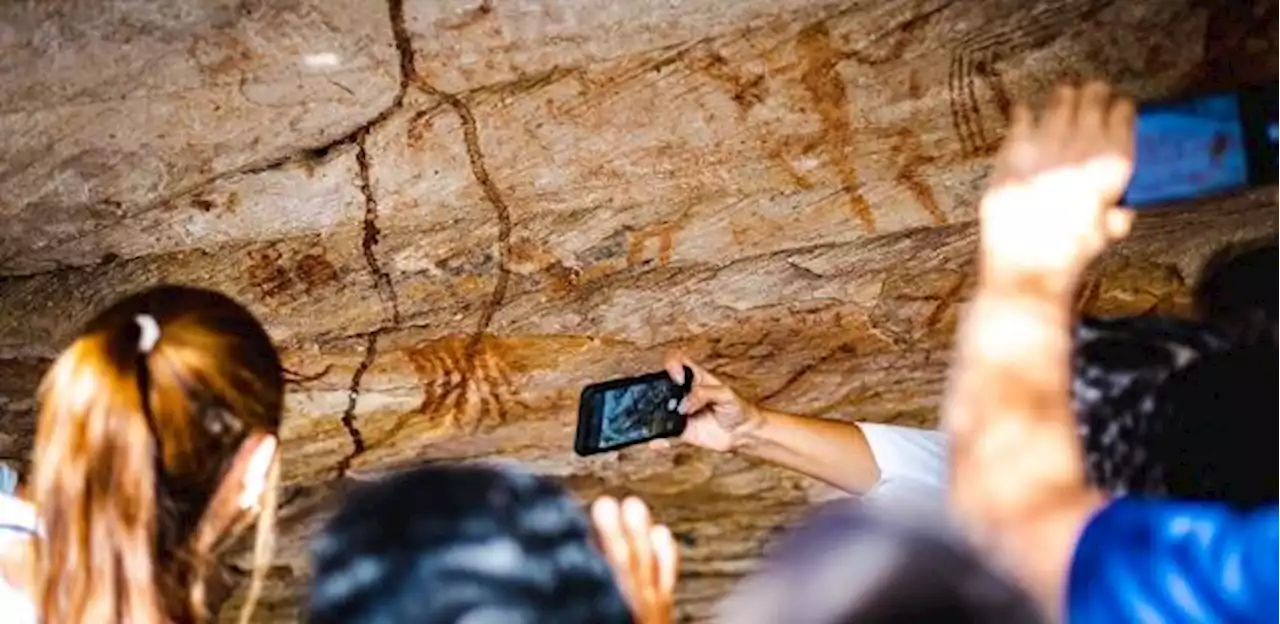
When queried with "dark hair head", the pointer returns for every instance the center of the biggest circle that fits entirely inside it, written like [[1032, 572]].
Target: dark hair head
[[1117, 367], [141, 420], [1237, 291], [847, 564], [439, 545], [1162, 403], [1219, 418]]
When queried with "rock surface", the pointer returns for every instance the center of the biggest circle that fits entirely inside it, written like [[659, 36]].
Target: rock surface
[[454, 214]]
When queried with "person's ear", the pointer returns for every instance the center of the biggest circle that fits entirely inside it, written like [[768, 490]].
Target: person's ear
[[258, 452]]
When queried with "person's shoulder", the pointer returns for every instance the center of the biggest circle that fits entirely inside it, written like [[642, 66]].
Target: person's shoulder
[[1184, 560]]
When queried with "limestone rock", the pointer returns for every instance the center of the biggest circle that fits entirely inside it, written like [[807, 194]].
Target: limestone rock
[[454, 214]]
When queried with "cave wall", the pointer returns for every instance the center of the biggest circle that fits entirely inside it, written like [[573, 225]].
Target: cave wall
[[452, 214]]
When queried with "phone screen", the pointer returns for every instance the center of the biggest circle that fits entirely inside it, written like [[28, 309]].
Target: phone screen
[[1188, 149], [638, 412]]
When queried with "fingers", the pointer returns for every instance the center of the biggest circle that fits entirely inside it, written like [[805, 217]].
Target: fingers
[[637, 524], [1018, 154], [702, 396], [1021, 122], [1095, 103], [1058, 124], [1091, 118], [644, 557], [667, 557], [1120, 126], [1120, 137], [675, 363], [606, 516], [661, 444]]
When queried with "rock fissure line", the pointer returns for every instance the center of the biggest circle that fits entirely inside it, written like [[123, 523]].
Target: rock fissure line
[[382, 283], [475, 155], [353, 396]]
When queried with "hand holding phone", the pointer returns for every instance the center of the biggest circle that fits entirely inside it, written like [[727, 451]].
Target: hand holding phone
[[622, 412], [707, 413], [719, 419]]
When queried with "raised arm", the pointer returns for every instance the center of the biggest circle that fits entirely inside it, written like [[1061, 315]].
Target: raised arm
[[1017, 478]]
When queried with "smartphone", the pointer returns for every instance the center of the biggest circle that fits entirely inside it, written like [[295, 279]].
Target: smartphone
[[1204, 146], [621, 412]]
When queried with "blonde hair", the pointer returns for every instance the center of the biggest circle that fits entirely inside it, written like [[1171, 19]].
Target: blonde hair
[[141, 420]]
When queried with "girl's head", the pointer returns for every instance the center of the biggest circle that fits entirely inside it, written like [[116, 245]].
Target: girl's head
[[155, 444]]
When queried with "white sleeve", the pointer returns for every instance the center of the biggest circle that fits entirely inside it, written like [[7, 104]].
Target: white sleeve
[[913, 466]]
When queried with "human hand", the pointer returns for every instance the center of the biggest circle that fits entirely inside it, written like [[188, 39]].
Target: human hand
[[1050, 206], [718, 419], [643, 555]]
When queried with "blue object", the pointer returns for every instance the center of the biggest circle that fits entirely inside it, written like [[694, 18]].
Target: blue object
[[1169, 561], [1188, 149]]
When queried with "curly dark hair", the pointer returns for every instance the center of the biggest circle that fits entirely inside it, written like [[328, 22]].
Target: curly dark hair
[[438, 545], [1176, 409]]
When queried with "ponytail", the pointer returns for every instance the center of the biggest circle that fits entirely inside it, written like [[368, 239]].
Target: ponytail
[[94, 486], [145, 428]]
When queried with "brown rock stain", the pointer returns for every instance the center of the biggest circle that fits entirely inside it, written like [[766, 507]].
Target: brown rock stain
[[783, 155], [471, 17], [976, 56], [1125, 286], [209, 203], [421, 126], [914, 89], [562, 280], [203, 204], [748, 229], [638, 243], [526, 256], [220, 54], [821, 79], [912, 303], [994, 82], [745, 91]]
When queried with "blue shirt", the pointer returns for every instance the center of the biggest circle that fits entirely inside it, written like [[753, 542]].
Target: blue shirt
[[1165, 561]]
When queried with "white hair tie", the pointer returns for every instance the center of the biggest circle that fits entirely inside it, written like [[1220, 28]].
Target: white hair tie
[[150, 333]]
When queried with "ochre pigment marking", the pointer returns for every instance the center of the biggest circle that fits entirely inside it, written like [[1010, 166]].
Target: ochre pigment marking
[[267, 275], [314, 271], [911, 158], [821, 79], [979, 53]]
